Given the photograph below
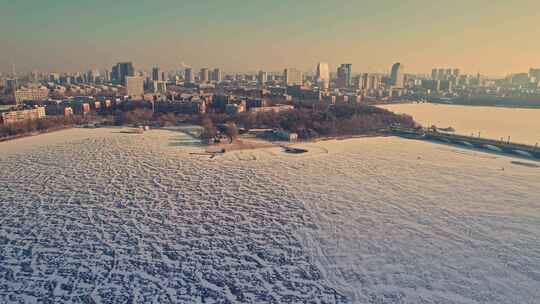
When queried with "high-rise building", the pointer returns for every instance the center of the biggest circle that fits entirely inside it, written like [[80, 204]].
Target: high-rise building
[[446, 85], [441, 74], [155, 73], [445, 74], [344, 76], [262, 77], [135, 86], [397, 76], [188, 75], [115, 74], [433, 85], [368, 82], [217, 75], [463, 80], [121, 71], [449, 73], [361, 82], [534, 73], [373, 82], [126, 70], [11, 85], [520, 79], [159, 87], [204, 75], [323, 75], [293, 77], [90, 77], [434, 74]]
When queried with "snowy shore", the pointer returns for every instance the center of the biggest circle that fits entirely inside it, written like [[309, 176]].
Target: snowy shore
[[102, 216]]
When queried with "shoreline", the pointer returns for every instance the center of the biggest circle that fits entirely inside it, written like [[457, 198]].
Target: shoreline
[[488, 106], [35, 133], [456, 104], [242, 144]]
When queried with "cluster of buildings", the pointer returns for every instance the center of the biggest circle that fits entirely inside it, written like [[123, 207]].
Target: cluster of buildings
[[232, 102], [190, 91], [37, 109], [33, 92], [524, 79], [21, 114], [451, 86]]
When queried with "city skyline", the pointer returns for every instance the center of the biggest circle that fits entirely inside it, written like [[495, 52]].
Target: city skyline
[[255, 35]]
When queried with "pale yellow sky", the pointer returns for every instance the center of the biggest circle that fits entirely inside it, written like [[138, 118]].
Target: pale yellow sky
[[491, 37]]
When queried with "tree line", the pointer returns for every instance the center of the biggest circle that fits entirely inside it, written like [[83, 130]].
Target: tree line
[[42, 124], [308, 122]]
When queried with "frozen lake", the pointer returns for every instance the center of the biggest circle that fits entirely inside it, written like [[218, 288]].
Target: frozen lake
[[100, 216], [522, 125]]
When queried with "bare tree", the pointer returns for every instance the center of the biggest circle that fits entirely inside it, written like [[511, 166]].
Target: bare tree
[[232, 131], [209, 131]]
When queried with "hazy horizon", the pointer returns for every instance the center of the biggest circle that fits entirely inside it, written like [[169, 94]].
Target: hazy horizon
[[491, 37]]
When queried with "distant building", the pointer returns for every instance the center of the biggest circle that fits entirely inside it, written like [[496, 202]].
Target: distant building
[[520, 79], [323, 75], [204, 75], [275, 109], [159, 87], [121, 71], [435, 74], [262, 78], [188, 75], [13, 116], [445, 74], [397, 76], [217, 75], [10, 85], [293, 77], [33, 93], [155, 74], [233, 109], [432, 85], [441, 74], [191, 106], [373, 82], [304, 93], [463, 80], [342, 99], [91, 76], [220, 102], [330, 99], [57, 107], [135, 86], [446, 85], [256, 103], [344, 76], [361, 81], [81, 105], [534, 73]]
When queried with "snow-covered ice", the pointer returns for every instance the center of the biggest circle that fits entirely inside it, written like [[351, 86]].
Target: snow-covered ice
[[100, 216]]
